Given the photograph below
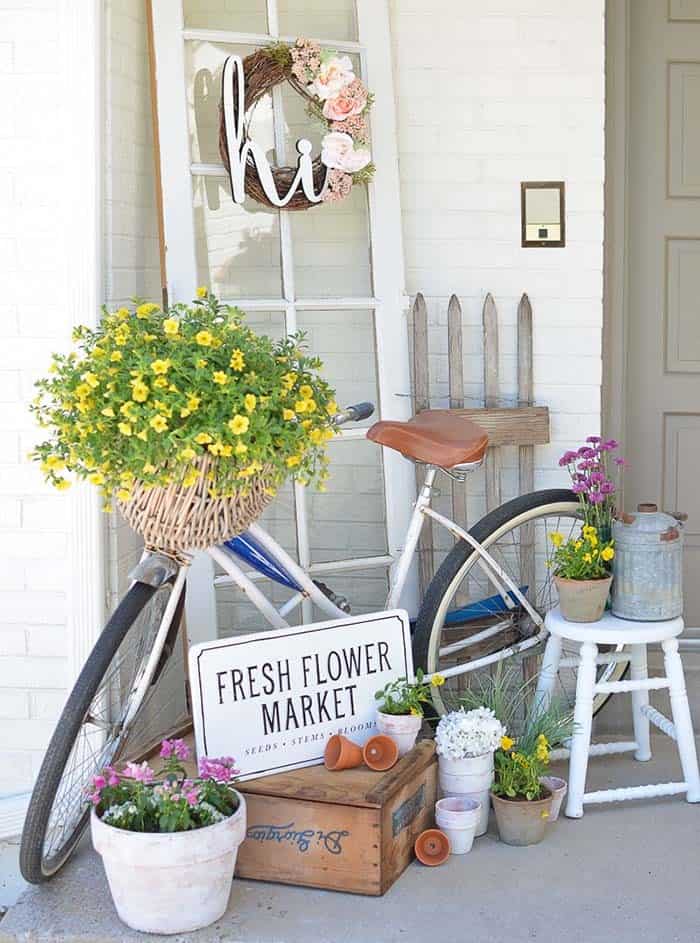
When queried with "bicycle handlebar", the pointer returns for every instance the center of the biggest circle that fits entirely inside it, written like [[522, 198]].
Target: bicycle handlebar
[[355, 413]]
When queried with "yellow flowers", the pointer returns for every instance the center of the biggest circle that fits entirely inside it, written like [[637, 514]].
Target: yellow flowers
[[437, 680], [607, 553], [147, 393], [159, 423], [171, 327], [139, 391], [507, 743], [61, 484], [239, 424], [202, 291], [557, 538], [190, 478]]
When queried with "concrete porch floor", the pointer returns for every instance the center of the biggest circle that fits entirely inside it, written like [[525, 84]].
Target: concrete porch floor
[[625, 872]]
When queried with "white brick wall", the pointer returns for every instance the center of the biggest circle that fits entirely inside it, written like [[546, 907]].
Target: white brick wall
[[131, 265], [490, 94], [34, 320]]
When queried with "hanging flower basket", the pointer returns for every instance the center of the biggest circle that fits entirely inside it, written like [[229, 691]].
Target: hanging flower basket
[[186, 416], [177, 517]]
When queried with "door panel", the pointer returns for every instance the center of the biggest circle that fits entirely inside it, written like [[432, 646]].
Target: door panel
[[662, 438]]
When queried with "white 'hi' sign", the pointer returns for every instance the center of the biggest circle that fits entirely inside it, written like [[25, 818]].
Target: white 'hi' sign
[[272, 699]]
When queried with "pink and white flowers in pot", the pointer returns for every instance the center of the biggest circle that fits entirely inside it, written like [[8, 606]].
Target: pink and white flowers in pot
[[169, 842], [465, 742]]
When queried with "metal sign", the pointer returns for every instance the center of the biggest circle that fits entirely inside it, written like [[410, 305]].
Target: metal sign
[[272, 699]]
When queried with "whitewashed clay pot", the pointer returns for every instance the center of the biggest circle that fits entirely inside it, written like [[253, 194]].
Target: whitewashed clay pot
[[472, 778], [458, 818], [170, 882], [521, 822], [402, 728], [557, 786]]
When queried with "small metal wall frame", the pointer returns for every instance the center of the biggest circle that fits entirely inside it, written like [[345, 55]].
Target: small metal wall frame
[[547, 232]]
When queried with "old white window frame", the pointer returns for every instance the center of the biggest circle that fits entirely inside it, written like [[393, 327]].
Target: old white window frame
[[388, 303]]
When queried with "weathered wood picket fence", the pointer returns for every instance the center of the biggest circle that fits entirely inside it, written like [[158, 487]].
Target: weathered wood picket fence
[[524, 425]]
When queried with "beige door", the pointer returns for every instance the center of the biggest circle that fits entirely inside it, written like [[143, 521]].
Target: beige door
[[662, 435]]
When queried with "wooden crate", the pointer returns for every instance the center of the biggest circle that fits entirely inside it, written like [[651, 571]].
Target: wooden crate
[[347, 831]]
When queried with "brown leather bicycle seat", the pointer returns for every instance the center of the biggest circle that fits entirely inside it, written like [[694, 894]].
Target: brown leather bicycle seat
[[436, 436]]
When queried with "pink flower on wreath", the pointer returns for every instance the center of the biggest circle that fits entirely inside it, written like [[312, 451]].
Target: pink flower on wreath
[[356, 127], [338, 152], [351, 101], [141, 772], [338, 186], [306, 59]]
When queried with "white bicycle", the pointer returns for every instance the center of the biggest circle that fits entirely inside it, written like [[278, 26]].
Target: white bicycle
[[486, 603]]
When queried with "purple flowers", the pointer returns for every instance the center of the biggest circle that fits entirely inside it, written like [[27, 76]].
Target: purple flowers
[[175, 748], [590, 479], [221, 768]]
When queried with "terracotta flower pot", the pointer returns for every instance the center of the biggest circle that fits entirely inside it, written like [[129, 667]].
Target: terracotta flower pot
[[341, 753], [380, 752], [582, 600], [432, 847], [522, 822]]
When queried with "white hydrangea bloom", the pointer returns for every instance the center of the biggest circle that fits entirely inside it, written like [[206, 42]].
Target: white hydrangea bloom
[[462, 734]]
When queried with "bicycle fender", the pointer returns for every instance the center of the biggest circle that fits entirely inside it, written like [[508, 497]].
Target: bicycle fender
[[154, 570]]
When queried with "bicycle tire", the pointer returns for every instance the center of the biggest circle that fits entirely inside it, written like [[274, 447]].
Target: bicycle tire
[[35, 868], [457, 563]]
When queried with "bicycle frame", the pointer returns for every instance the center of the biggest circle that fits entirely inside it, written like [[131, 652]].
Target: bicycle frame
[[271, 561]]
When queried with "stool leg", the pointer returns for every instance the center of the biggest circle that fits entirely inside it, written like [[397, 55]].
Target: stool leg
[[581, 739], [548, 672], [681, 718], [638, 672]]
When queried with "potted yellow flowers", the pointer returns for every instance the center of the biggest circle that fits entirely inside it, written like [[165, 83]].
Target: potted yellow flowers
[[187, 416], [521, 801], [582, 574]]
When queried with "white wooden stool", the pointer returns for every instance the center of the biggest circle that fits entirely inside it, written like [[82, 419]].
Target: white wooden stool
[[635, 636]]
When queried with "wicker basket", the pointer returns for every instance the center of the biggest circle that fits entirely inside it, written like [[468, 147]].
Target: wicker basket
[[175, 518]]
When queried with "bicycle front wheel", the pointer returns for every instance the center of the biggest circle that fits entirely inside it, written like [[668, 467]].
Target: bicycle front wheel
[[463, 618], [112, 704]]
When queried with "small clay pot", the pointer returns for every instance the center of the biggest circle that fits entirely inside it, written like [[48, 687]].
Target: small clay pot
[[557, 786], [582, 600], [432, 847], [522, 822], [341, 753], [380, 752]]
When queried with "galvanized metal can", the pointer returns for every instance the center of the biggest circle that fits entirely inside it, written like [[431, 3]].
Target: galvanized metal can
[[648, 565]]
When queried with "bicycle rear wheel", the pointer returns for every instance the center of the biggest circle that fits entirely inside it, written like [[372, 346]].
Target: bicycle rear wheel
[[111, 707], [461, 604]]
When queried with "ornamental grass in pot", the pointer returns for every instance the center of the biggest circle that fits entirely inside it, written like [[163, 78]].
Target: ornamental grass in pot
[[401, 711], [583, 562], [168, 842], [187, 416], [465, 742]]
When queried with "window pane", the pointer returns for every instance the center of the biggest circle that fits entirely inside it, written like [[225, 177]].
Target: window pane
[[243, 16], [366, 590], [348, 519], [237, 247], [325, 19], [344, 340]]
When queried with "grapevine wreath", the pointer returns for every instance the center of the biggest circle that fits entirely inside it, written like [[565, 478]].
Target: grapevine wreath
[[334, 96]]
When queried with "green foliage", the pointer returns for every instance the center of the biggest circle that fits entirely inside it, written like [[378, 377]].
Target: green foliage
[[364, 175], [150, 393], [518, 770], [280, 53], [407, 697]]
